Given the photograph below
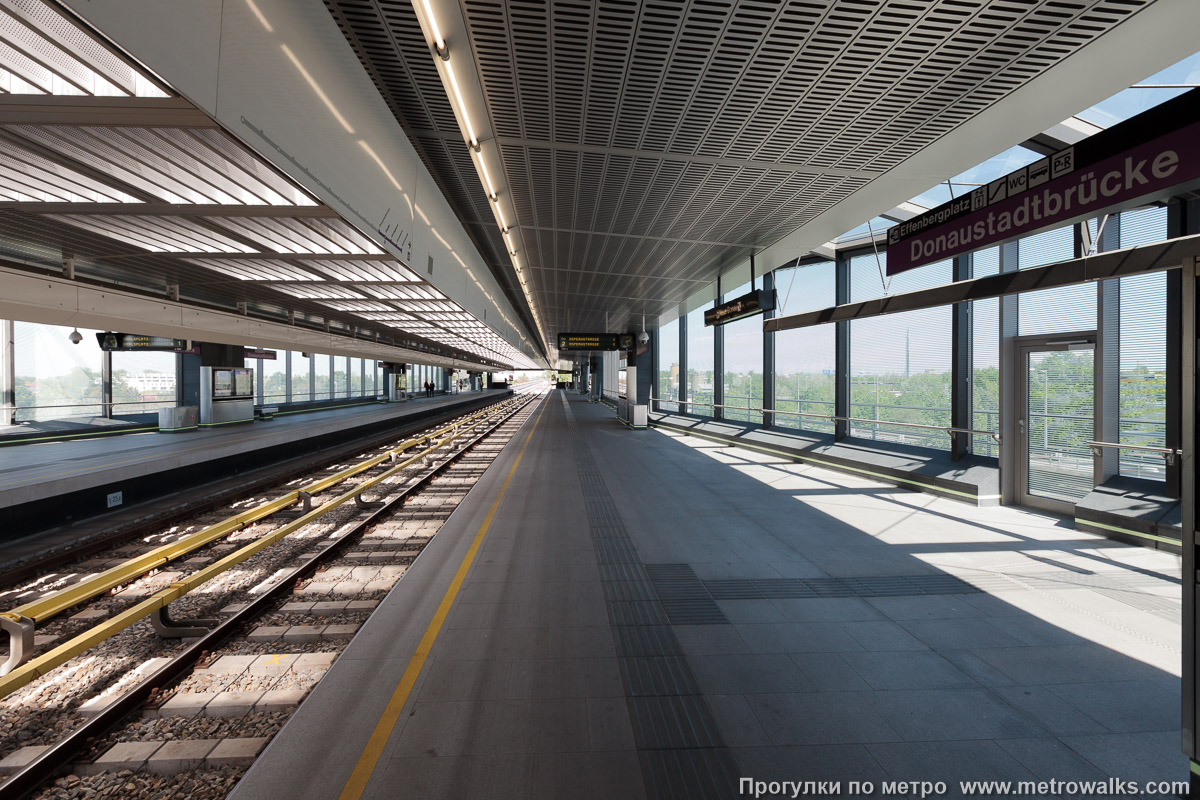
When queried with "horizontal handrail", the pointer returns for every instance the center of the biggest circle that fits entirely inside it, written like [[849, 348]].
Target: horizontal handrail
[[1168, 453], [34, 668], [50, 605], [834, 418]]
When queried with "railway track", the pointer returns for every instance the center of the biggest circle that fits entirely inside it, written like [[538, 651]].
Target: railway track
[[265, 613]]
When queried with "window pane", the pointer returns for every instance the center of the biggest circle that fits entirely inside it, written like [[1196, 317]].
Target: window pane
[[743, 364], [985, 358], [320, 368], [301, 365], [804, 357], [668, 365], [699, 364], [340, 376], [142, 382], [59, 378], [1143, 383], [356, 377], [274, 379], [1061, 310], [900, 372]]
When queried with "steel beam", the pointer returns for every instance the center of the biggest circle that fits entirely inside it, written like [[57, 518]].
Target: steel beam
[[169, 210], [1134, 261], [125, 112]]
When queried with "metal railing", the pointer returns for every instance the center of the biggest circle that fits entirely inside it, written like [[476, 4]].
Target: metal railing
[[16, 411], [1168, 453], [951, 431]]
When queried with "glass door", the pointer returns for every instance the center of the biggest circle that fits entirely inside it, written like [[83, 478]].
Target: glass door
[[1056, 420]]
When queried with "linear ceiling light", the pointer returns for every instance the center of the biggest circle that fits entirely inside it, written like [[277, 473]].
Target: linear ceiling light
[[487, 179], [462, 107], [438, 41], [512, 251]]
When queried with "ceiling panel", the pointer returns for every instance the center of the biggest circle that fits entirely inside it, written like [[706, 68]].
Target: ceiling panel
[[648, 144]]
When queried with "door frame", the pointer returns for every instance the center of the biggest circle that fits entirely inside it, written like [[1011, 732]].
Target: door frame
[[1022, 346]]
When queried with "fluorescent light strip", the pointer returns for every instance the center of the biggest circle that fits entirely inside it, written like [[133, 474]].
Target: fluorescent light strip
[[438, 41], [487, 179], [500, 214], [462, 107], [511, 250]]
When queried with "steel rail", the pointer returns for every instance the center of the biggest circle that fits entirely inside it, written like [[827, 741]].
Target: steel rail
[[32, 669], [20, 622], [34, 775]]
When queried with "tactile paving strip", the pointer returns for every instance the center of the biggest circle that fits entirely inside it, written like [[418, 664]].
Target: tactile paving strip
[[680, 747], [873, 586]]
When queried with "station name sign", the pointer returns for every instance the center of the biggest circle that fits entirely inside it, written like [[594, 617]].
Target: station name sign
[[1116, 168], [595, 341], [262, 355], [124, 342], [756, 302]]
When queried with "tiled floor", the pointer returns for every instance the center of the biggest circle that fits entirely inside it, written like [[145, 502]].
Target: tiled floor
[[557, 675]]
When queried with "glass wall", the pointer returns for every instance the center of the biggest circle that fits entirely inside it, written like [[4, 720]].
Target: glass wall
[[274, 379], [985, 359], [301, 367], [700, 355], [356, 377], [341, 377], [143, 382], [1143, 348], [743, 375], [62, 379], [900, 364], [667, 384], [321, 378], [805, 358]]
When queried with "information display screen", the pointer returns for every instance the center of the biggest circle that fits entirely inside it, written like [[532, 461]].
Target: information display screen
[[595, 341], [222, 383], [122, 342]]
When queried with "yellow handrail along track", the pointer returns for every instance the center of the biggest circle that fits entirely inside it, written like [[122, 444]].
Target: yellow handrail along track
[[20, 622]]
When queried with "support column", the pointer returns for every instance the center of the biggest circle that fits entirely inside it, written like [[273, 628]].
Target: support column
[[8, 371], [683, 359], [1187, 462], [1010, 380], [1107, 357], [1183, 218], [718, 363], [841, 378], [768, 371], [106, 393], [960, 365]]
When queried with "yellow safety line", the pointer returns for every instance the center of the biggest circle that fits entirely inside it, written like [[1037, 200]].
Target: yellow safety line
[[357, 783]]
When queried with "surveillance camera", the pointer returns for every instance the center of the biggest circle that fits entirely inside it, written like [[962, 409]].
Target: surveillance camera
[[643, 337], [76, 337]]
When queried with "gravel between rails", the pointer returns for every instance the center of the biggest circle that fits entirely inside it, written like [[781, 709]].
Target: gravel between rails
[[47, 709]]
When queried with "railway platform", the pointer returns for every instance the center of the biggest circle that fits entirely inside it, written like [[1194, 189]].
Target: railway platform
[[613, 613], [42, 485]]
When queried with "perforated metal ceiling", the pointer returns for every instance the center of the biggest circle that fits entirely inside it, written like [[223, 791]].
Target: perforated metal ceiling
[[646, 144]]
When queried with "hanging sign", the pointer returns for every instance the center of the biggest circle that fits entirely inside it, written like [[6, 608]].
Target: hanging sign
[[595, 341], [123, 342], [747, 305], [1117, 168]]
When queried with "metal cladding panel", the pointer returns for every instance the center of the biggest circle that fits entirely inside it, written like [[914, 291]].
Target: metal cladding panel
[[312, 110]]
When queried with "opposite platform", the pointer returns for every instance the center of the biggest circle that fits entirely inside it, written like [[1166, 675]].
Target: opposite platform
[[656, 615], [38, 481]]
